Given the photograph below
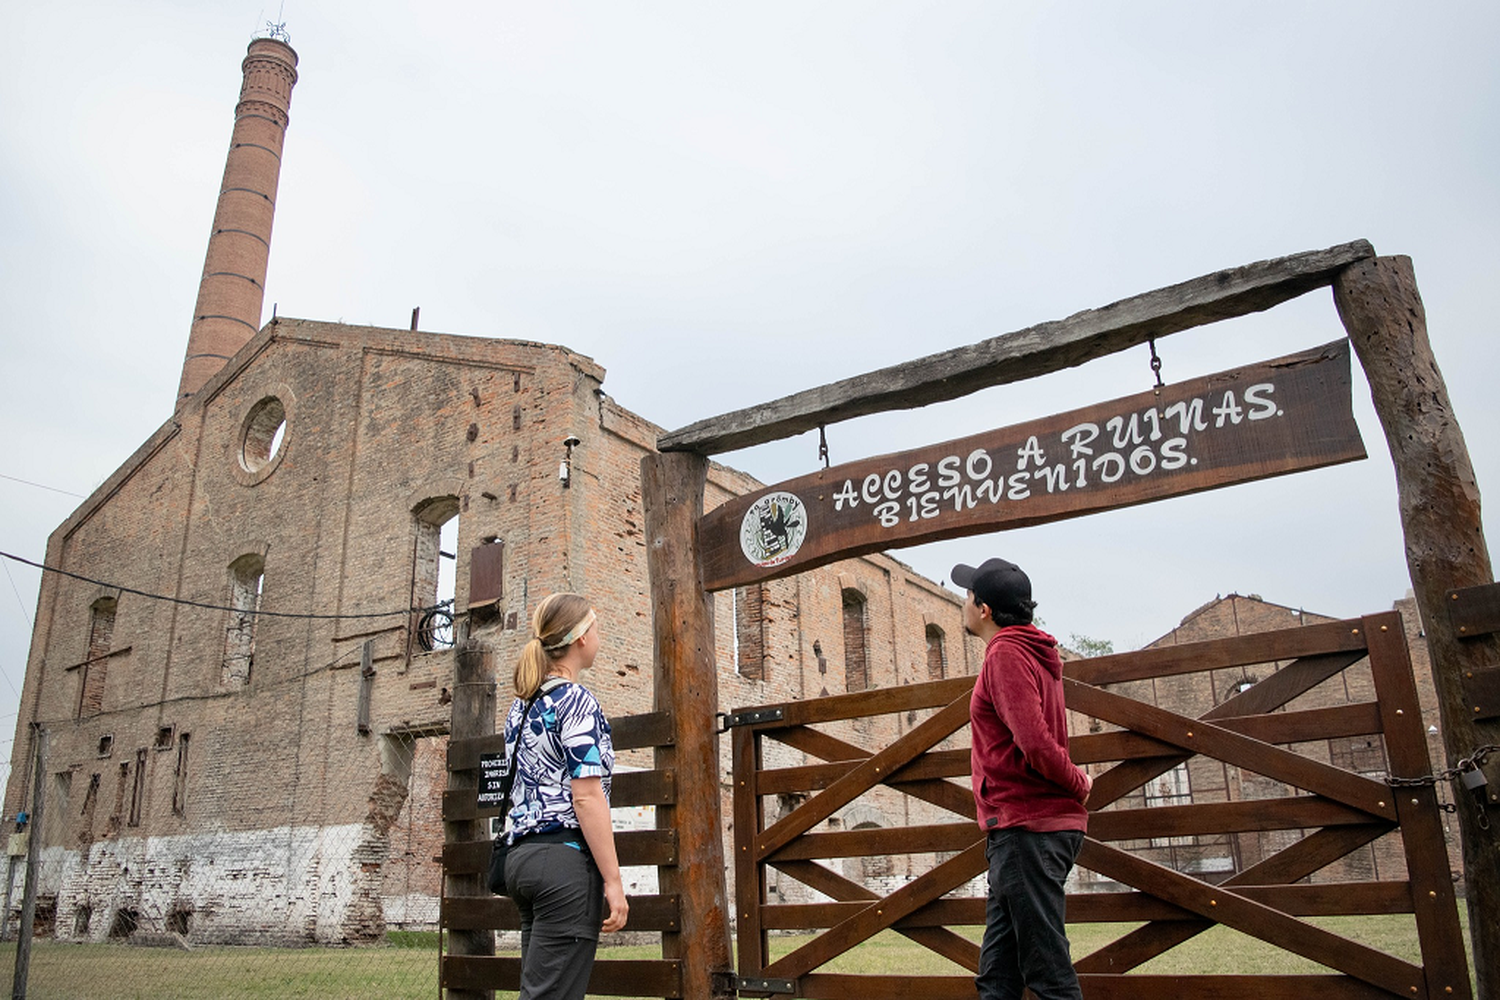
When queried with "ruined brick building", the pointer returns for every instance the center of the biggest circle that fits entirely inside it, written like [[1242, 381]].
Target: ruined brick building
[[220, 763]]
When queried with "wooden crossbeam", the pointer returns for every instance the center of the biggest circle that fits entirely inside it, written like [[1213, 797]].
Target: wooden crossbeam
[[1232, 909], [1200, 736], [933, 935], [881, 914], [1026, 353]]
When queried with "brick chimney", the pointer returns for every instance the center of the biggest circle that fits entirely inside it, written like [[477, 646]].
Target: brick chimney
[[234, 271]]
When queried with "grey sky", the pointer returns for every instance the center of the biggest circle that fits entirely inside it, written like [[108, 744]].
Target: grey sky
[[724, 205]]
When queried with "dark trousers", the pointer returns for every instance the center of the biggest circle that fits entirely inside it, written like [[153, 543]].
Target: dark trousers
[[560, 894], [1025, 933]]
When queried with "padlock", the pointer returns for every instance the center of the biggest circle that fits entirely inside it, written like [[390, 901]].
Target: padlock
[[1475, 781]]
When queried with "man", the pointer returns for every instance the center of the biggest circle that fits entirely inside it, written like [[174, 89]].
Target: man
[[1029, 794]]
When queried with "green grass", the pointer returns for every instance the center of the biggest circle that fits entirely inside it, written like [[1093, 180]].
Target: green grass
[[406, 966]]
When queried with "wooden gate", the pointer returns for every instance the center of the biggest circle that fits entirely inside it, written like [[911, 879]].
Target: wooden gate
[[1328, 812]]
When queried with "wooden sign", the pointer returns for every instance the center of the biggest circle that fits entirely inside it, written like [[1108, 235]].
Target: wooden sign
[[1281, 416], [491, 780]]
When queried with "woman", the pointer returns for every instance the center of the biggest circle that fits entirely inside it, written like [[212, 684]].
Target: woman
[[562, 869]]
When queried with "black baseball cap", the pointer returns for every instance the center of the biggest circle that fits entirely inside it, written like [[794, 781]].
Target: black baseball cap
[[1000, 584]]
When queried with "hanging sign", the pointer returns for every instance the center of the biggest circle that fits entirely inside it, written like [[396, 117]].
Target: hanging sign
[[491, 780], [1280, 416]]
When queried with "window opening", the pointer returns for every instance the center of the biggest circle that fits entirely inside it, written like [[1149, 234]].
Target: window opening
[[164, 738], [96, 665], [138, 789], [106, 745], [179, 777], [434, 572], [247, 579], [264, 434], [856, 667], [937, 657]]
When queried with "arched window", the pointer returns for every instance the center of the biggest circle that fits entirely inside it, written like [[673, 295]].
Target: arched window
[[856, 664], [937, 656], [434, 568], [247, 576]]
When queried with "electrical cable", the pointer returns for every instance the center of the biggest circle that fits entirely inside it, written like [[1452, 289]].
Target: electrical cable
[[218, 607]]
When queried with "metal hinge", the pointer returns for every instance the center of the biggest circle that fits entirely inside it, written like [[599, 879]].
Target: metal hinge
[[728, 720], [750, 984]]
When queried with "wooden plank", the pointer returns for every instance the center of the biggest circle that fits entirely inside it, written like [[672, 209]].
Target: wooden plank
[[1333, 640], [943, 912], [1475, 611], [862, 704], [1026, 353], [749, 873], [811, 777], [643, 788], [635, 847], [629, 732], [1287, 415], [877, 916], [473, 715], [1481, 691], [1422, 837], [939, 939], [884, 841], [840, 986], [940, 793], [685, 682], [1226, 906], [1310, 854], [610, 977], [636, 732], [1244, 987], [1200, 818], [1203, 737], [864, 776], [647, 913]]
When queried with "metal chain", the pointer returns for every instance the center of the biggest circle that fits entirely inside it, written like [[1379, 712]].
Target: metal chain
[[1469, 763], [1155, 364], [823, 446]]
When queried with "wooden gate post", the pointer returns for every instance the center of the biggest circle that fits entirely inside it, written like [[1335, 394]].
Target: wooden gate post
[[473, 715], [686, 684], [1445, 548]]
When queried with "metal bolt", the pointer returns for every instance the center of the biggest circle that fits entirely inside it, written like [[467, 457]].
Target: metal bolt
[[1463, 628], [1400, 712], [1382, 805], [1213, 902], [1413, 801], [1432, 893], [1190, 732], [1355, 631], [1382, 628]]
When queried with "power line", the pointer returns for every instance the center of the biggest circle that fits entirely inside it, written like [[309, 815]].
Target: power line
[[215, 607], [42, 486]]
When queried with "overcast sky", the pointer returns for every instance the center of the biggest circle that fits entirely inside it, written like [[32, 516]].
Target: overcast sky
[[723, 205]]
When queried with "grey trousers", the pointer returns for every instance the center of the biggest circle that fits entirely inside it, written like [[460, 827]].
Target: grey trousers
[[561, 897], [1025, 933]]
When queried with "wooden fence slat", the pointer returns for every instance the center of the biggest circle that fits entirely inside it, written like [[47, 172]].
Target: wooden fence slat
[[884, 840], [647, 913], [944, 794], [749, 875], [1223, 904], [939, 939], [1296, 861], [1024, 353], [1201, 736], [862, 704], [1295, 813], [635, 847], [879, 915], [812, 777], [1290, 987], [1475, 611], [864, 776], [629, 732], [1321, 639], [611, 977], [1421, 833]]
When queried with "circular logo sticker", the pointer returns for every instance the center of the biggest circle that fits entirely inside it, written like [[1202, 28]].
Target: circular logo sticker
[[773, 529]]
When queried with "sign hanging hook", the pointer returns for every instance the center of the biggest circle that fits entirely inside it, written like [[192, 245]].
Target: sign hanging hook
[[1155, 364], [823, 446]]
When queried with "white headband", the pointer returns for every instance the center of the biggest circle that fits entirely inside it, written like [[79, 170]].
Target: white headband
[[573, 634]]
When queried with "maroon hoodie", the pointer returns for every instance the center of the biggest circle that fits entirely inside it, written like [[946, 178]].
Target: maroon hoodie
[[1022, 773]]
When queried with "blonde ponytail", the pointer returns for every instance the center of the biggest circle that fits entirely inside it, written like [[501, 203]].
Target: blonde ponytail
[[553, 622]]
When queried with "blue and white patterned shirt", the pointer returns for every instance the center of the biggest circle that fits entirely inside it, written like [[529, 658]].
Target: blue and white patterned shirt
[[566, 736]]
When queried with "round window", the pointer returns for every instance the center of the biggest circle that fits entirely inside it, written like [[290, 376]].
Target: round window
[[265, 432]]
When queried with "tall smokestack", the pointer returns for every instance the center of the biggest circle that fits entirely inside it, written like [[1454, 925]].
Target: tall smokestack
[[234, 272]]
